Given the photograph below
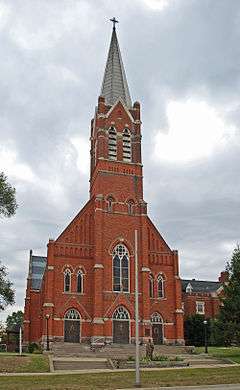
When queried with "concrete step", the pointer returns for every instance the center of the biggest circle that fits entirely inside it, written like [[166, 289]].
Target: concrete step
[[115, 350], [83, 364]]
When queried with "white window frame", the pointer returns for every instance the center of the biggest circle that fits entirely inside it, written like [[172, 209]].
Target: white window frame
[[151, 286], [67, 271], [82, 279], [126, 253], [200, 303], [161, 278]]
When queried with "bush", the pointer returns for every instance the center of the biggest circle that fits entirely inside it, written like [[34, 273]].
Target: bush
[[160, 358], [131, 358], [33, 347]]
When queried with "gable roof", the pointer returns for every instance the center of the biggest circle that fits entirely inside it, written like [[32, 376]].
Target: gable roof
[[115, 83], [201, 286]]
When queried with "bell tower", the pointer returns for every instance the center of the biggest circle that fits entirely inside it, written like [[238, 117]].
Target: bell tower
[[116, 164]]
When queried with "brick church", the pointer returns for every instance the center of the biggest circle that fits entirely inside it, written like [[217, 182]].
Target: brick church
[[83, 291]]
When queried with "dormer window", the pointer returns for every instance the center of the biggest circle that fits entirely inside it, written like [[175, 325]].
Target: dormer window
[[127, 147], [112, 143], [189, 288]]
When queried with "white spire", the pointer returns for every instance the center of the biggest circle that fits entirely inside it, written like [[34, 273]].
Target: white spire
[[114, 83]]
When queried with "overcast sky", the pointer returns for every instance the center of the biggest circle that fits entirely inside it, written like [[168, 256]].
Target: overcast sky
[[182, 60]]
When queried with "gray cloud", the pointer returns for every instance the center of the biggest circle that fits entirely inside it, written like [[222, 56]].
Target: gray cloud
[[52, 61]]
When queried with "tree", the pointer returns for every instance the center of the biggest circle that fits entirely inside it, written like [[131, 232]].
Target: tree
[[8, 204], [194, 330], [6, 290], [229, 314], [16, 318]]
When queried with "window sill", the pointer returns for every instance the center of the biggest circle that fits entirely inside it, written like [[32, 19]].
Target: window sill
[[159, 299], [121, 292], [72, 293]]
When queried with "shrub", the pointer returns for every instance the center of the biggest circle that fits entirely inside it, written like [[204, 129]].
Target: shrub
[[160, 358], [32, 347]]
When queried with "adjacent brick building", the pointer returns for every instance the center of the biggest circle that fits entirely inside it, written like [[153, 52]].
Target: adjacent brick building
[[202, 296], [84, 289]]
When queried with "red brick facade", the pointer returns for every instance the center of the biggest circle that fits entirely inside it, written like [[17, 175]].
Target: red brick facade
[[115, 209], [203, 297]]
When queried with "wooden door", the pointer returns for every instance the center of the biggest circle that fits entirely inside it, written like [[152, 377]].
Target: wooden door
[[121, 332], [157, 334], [72, 331]]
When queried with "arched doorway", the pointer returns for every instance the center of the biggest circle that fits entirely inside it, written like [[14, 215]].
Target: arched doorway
[[157, 328], [121, 322], [72, 326]]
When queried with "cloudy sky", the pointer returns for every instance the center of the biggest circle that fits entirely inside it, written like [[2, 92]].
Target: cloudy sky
[[182, 59]]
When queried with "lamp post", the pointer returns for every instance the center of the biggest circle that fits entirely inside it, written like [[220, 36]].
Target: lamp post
[[47, 318], [205, 336]]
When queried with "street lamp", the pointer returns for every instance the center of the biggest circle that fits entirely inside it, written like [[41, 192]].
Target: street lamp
[[205, 336], [47, 318]]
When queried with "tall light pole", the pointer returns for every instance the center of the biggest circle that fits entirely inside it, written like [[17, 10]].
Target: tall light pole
[[20, 341], [47, 318], [205, 336], [137, 368]]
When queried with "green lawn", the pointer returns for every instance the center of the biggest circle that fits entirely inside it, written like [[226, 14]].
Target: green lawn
[[12, 362], [232, 353], [180, 377]]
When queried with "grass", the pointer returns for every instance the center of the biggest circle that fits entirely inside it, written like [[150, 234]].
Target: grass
[[110, 381], [12, 362], [231, 353]]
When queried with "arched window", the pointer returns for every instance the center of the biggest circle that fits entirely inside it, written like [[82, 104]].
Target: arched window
[[156, 318], [127, 147], [130, 204], [121, 314], [72, 314], [110, 201], [67, 280], [80, 281], [151, 286], [120, 268], [160, 285], [112, 143]]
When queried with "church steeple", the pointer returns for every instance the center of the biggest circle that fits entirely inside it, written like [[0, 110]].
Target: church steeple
[[115, 84]]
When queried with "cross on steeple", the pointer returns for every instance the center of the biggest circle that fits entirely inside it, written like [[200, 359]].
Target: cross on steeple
[[114, 21]]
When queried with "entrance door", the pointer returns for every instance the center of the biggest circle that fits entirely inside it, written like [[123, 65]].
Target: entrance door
[[120, 332], [72, 326], [72, 331], [157, 333]]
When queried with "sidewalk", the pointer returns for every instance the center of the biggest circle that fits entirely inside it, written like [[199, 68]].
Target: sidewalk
[[97, 371]]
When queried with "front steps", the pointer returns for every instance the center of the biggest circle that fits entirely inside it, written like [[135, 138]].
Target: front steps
[[72, 357], [114, 351]]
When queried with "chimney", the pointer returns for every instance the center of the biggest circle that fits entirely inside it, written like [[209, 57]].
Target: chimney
[[224, 276]]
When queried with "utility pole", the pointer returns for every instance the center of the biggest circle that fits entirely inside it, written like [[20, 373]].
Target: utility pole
[[137, 368]]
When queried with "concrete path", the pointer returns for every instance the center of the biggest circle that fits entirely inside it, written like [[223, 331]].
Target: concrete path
[[97, 371], [206, 387]]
